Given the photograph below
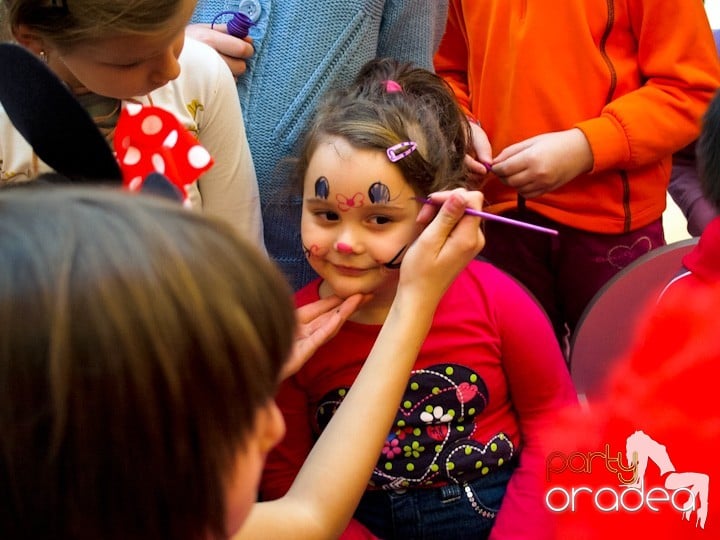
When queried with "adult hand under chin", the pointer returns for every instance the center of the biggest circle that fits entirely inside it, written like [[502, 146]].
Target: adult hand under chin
[[318, 322]]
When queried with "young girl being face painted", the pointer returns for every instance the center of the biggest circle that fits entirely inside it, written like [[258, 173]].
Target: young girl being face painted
[[371, 150], [484, 382], [358, 219]]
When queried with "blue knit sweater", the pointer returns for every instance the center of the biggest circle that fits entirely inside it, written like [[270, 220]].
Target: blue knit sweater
[[302, 49]]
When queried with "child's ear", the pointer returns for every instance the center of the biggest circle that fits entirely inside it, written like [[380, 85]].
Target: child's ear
[[28, 38]]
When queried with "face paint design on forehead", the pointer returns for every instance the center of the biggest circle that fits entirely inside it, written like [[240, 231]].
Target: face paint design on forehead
[[346, 203], [322, 188], [379, 193]]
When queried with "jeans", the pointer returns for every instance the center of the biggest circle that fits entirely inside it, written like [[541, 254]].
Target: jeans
[[454, 512]]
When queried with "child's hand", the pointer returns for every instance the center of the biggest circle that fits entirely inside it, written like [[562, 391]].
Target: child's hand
[[477, 163], [445, 247], [317, 323], [545, 162], [233, 50]]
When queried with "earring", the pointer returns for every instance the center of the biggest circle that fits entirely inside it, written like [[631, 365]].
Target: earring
[[44, 57]]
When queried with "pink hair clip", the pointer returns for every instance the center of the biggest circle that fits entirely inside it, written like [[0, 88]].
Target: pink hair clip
[[392, 86], [400, 150]]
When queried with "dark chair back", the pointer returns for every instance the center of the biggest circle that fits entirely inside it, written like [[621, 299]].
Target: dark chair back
[[608, 325]]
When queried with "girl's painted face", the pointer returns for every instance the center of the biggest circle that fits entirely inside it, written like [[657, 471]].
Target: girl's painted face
[[125, 66], [358, 218]]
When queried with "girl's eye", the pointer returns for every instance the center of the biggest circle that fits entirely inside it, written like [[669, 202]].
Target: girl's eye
[[380, 220], [127, 66], [328, 215]]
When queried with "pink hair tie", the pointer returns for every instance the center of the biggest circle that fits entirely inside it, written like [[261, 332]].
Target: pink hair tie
[[392, 86]]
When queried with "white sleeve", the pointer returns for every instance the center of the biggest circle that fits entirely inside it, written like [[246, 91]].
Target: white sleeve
[[229, 189]]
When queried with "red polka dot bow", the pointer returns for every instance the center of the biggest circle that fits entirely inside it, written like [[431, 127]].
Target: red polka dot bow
[[150, 139]]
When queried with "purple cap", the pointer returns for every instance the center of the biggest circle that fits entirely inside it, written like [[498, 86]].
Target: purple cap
[[238, 26]]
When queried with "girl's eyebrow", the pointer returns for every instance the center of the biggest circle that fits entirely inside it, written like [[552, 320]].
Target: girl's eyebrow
[[385, 206], [318, 200], [374, 207]]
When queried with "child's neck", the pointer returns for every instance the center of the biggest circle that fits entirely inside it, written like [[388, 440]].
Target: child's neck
[[370, 314], [374, 310]]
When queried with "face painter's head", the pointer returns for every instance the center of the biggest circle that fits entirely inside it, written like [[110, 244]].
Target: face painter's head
[[141, 402]]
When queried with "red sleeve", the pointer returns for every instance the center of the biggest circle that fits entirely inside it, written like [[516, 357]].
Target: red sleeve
[[357, 531], [451, 60], [540, 386], [285, 460]]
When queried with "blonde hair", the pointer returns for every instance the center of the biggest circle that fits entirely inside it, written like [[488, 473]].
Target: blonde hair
[[137, 342], [67, 23]]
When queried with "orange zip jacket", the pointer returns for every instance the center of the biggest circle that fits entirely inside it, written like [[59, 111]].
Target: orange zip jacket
[[634, 75]]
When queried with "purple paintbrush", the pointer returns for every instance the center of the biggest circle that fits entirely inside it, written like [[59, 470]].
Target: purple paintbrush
[[494, 217]]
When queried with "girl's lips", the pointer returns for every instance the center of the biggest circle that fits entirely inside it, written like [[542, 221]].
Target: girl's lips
[[349, 270]]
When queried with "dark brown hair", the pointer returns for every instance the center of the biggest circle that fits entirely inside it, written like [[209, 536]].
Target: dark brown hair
[[369, 116], [708, 152], [137, 341]]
